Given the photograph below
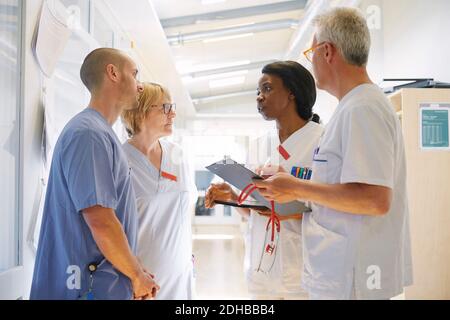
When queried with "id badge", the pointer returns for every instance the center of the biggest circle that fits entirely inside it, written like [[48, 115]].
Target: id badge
[[89, 295]]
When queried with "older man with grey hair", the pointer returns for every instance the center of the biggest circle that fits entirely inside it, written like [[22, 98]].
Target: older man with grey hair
[[356, 239]]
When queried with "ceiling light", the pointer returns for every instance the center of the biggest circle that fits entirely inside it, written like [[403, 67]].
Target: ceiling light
[[229, 26], [222, 75], [211, 66], [226, 82], [187, 79], [236, 36], [183, 65]]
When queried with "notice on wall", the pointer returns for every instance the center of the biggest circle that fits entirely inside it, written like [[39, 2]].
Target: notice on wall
[[51, 37], [434, 126]]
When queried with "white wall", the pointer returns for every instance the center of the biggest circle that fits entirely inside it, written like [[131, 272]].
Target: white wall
[[416, 41], [410, 42], [373, 11], [32, 121], [141, 23]]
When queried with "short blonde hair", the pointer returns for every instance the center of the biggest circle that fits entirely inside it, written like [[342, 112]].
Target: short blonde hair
[[347, 29], [152, 93]]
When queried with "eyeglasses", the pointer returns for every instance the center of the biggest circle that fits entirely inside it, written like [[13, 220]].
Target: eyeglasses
[[309, 53], [167, 107]]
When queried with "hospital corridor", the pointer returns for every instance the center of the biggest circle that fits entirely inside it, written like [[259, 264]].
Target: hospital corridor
[[219, 254], [251, 151]]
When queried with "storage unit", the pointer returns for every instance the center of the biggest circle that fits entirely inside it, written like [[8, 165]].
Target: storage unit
[[429, 198]]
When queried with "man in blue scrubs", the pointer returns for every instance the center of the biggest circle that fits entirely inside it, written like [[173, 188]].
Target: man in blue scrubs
[[88, 234]]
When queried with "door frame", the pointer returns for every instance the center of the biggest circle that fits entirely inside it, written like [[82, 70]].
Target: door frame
[[12, 281]]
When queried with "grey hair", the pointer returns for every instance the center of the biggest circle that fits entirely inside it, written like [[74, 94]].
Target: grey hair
[[347, 29]]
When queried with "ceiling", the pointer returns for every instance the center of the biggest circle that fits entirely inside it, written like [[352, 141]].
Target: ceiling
[[220, 47]]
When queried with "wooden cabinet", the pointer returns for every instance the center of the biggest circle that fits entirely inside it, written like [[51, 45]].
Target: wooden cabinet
[[429, 198]]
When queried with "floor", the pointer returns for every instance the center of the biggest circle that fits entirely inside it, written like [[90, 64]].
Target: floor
[[219, 258]]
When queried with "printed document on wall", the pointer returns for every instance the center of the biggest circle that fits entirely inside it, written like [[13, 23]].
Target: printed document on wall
[[434, 126], [52, 36]]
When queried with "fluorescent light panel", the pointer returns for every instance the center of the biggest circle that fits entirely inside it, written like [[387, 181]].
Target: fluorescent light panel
[[186, 67], [189, 79], [236, 36], [235, 25], [224, 75], [220, 83]]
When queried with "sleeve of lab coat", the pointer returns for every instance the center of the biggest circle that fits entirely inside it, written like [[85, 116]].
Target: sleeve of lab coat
[[368, 144]]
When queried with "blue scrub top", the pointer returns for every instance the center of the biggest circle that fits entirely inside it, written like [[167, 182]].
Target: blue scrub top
[[89, 168]]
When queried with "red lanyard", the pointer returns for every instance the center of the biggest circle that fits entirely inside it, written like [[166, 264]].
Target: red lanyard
[[274, 220]]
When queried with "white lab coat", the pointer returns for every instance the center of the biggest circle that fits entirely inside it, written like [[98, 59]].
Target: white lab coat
[[284, 280], [165, 236], [359, 256]]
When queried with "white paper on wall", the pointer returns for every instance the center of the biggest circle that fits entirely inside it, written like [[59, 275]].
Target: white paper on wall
[[52, 36]]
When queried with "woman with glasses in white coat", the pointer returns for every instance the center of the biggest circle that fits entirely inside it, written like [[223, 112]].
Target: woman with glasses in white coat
[[286, 94], [165, 193]]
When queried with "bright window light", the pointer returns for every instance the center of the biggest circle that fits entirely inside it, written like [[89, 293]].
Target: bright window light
[[236, 36], [226, 82]]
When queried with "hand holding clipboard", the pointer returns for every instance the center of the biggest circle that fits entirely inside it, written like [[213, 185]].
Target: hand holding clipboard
[[239, 176]]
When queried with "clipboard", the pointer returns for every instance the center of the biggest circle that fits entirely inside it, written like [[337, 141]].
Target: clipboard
[[246, 204], [240, 177]]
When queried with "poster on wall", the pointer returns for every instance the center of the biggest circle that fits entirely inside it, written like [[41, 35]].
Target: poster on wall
[[51, 36], [434, 128]]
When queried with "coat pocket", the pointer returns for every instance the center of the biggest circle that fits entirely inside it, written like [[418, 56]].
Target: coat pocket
[[320, 168], [324, 256]]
